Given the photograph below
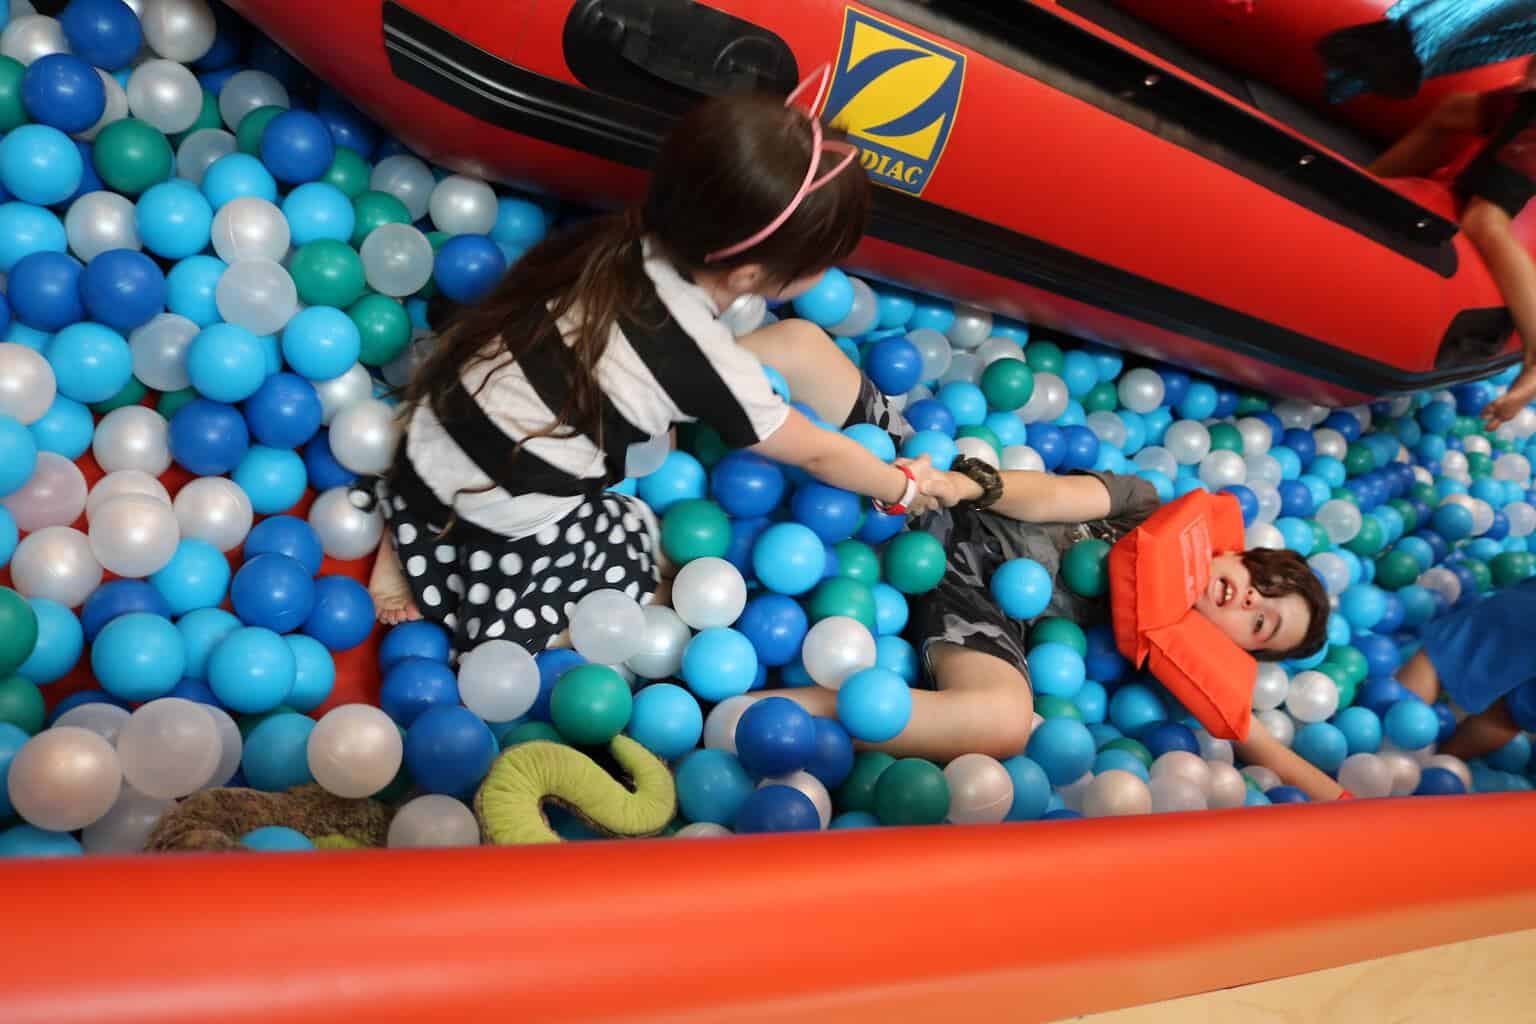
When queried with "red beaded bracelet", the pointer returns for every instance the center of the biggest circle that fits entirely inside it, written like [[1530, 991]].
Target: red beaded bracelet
[[900, 508]]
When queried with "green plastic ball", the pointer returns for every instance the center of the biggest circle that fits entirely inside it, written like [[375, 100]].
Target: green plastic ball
[[348, 172], [253, 126], [1226, 438], [914, 562], [1320, 539], [1425, 493], [912, 792], [171, 401], [130, 156], [1045, 357], [1347, 694], [1351, 661], [590, 704], [1465, 426], [703, 442], [1406, 510], [1049, 706], [1135, 748], [328, 273], [1479, 465], [983, 433], [374, 210], [857, 561], [1359, 460], [1396, 570], [1343, 494], [696, 528], [1007, 383], [1102, 397], [524, 732], [18, 630], [132, 393], [13, 114], [843, 596], [1053, 629], [1481, 573], [1250, 403], [385, 328], [1510, 567], [1371, 538], [1085, 568], [857, 793], [21, 704]]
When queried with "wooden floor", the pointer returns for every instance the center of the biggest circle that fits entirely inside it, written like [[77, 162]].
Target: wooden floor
[[1484, 981]]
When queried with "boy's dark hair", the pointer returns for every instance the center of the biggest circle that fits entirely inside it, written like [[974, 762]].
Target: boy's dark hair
[[725, 170], [1280, 574]]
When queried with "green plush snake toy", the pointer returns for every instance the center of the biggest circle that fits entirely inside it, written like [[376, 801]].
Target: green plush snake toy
[[511, 800]]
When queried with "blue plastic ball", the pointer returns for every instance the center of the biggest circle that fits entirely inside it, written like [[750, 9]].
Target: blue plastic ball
[[1161, 737], [276, 839], [321, 466], [321, 343], [1022, 588], [175, 219], [44, 292], [293, 537], [251, 670], [138, 656], [1435, 781], [297, 147], [467, 267], [208, 438], [1286, 795], [63, 92], [775, 625], [344, 614], [314, 672], [1063, 748], [1056, 670], [60, 641], [449, 750], [931, 414], [719, 663], [105, 33], [1134, 707], [40, 164], [1410, 724], [1048, 443], [123, 289], [874, 704], [1322, 744], [276, 754], [272, 591], [746, 485], [419, 639], [894, 364], [777, 809], [832, 757], [1080, 447], [830, 512], [666, 720], [680, 478]]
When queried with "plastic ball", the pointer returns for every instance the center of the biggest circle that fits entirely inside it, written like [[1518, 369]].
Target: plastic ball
[[433, 820], [169, 748], [1141, 390], [354, 751], [106, 33], [835, 648], [258, 296], [719, 663], [344, 614], [414, 684], [788, 558], [1171, 794], [666, 719], [297, 147], [777, 808], [1434, 781], [59, 642], [1322, 744], [1062, 747], [467, 267], [776, 626], [1411, 724], [874, 704], [591, 704], [911, 792], [1116, 793], [251, 670], [40, 164], [134, 535], [980, 790], [275, 756], [64, 779]]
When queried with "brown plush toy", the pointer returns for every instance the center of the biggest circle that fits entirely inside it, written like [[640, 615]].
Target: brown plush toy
[[215, 819]]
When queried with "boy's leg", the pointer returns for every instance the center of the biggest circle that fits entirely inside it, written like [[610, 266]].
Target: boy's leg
[[1482, 734], [1420, 678], [1432, 144], [983, 706], [816, 370], [1488, 227]]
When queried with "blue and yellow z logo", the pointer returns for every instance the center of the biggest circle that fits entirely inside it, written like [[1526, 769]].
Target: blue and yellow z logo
[[895, 94]]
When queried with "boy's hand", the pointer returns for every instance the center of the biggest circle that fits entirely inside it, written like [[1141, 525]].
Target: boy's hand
[[1521, 393]]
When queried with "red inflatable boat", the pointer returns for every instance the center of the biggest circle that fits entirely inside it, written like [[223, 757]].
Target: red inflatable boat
[[1061, 162]]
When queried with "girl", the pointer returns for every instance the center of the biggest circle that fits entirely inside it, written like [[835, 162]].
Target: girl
[[606, 337]]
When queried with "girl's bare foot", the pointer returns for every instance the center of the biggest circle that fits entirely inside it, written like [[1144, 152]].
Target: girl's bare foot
[[392, 599]]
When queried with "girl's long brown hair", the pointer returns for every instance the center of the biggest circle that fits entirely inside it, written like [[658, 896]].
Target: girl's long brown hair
[[727, 168]]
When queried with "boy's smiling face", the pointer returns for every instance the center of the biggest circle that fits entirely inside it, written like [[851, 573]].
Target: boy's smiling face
[[1253, 621]]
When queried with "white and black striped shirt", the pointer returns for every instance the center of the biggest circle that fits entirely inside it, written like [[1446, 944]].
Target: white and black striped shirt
[[714, 381]]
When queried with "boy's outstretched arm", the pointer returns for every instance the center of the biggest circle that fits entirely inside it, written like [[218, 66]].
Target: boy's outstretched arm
[[1031, 497], [1261, 748]]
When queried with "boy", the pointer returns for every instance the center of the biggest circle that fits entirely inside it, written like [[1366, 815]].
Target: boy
[[1498, 185]]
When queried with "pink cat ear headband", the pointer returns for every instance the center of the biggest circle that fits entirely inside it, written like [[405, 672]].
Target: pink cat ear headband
[[821, 77]]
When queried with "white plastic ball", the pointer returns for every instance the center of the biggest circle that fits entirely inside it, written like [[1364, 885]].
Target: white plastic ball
[[246, 91], [27, 384], [433, 820], [54, 495], [1214, 751], [1269, 501], [1264, 535], [128, 481], [720, 723], [116, 107], [1271, 687], [406, 178], [1048, 401], [346, 531], [1296, 415], [1264, 778], [642, 458], [1222, 469], [1341, 520], [1023, 458], [978, 449], [200, 151], [995, 348], [55, 563], [708, 593], [1333, 570], [1158, 459], [1454, 464], [355, 750], [1172, 794], [1225, 788], [215, 509], [258, 295], [250, 228], [1184, 765], [344, 391], [1443, 582], [963, 366], [1522, 518], [126, 827], [607, 627], [1512, 466], [970, 327], [133, 437], [165, 95], [835, 648], [1279, 725], [862, 315], [1263, 469], [1256, 434], [498, 680], [103, 719], [133, 536], [980, 790], [64, 778], [1108, 428], [169, 747], [232, 746], [31, 36], [365, 435], [1116, 793], [1313, 697], [99, 221], [666, 636], [397, 259], [1405, 772], [702, 830], [1476, 444], [180, 30], [160, 351], [1141, 390], [1188, 441], [1366, 776]]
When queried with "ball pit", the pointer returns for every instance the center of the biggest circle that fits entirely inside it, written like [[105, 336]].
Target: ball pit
[[189, 284]]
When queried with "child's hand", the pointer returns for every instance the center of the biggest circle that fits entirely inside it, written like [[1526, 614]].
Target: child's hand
[[1520, 394], [941, 488], [927, 478]]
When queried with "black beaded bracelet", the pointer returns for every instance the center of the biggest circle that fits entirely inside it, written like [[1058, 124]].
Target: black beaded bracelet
[[988, 479]]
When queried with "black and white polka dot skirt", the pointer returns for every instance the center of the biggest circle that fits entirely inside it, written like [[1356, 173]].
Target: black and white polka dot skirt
[[484, 586]]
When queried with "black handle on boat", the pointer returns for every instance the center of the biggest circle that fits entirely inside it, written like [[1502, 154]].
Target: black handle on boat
[[691, 47]]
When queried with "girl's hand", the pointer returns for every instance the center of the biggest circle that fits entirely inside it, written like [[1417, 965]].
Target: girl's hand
[[942, 488]]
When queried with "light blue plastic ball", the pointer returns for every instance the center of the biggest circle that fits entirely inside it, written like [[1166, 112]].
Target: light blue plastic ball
[[227, 363], [1022, 588], [318, 209], [276, 754], [719, 663], [191, 287], [965, 402], [1322, 744], [138, 657], [854, 819], [18, 454], [788, 558], [939, 448], [829, 301], [276, 839], [874, 440], [40, 164], [1410, 723], [10, 536], [1056, 670], [711, 786], [894, 653], [891, 610], [314, 672], [60, 640], [26, 229], [31, 841], [273, 478], [1361, 728], [90, 362], [680, 478], [235, 175], [197, 576], [1079, 372], [1031, 789], [1010, 430], [666, 720], [1363, 606], [321, 343], [174, 220], [1135, 706], [1120, 761], [1063, 747], [874, 705], [251, 670], [519, 222], [65, 429], [202, 629]]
